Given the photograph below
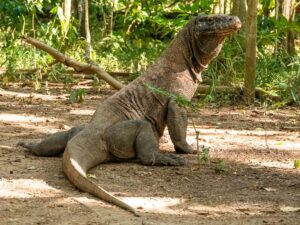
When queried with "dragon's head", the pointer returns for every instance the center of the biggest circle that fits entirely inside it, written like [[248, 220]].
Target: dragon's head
[[209, 32], [216, 25]]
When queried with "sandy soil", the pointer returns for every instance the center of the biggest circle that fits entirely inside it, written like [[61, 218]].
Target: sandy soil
[[249, 177]]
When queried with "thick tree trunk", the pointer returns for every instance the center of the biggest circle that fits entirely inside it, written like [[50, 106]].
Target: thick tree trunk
[[251, 29], [75, 9], [289, 14]]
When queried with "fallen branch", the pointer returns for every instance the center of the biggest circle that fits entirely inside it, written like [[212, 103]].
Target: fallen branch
[[203, 89], [78, 66]]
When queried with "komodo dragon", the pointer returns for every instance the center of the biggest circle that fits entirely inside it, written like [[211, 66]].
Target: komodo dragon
[[129, 123]]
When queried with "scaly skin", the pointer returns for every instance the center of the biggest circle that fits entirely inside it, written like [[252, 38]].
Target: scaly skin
[[129, 124]]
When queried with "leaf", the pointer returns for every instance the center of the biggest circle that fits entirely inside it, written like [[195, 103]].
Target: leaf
[[179, 99], [259, 129], [279, 143], [54, 10], [60, 13], [5, 80], [289, 209], [93, 176], [220, 167], [204, 157], [39, 7], [195, 7], [297, 164], [270, 189], [31, 168], [77, 96]]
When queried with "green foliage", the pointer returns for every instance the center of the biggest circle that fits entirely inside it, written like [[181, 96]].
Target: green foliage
[[120, 54], [198, 6], [280, 77], [220, 166], [77, 96], [55, 29], [12, 14], [140, 31], [204, 157], [297, 164], [57, 73]]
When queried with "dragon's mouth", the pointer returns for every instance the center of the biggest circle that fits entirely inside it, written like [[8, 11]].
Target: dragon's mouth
[[226, 32], [223, 32]]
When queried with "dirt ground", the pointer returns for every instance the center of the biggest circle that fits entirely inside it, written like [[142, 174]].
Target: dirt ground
[[248, 179]]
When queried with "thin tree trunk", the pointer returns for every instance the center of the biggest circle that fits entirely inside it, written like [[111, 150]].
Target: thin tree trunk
[[88, 48], [239, 9], [33, 31], [278, 12], [251, 29], [67, 14], [225, 7], [289, 14], [286, 8], [220, 6], [110, 18], [81, 17]]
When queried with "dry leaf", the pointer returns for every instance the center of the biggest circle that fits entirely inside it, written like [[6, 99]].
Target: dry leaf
[[289, 209]]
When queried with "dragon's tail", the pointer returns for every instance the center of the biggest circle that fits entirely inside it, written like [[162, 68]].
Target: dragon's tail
[[78, 177]]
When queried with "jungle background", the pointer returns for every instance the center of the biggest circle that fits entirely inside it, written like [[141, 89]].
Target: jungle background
[[246, 120], [127, 36]]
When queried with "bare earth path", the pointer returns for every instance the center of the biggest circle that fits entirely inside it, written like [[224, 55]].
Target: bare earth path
[[259, 184]]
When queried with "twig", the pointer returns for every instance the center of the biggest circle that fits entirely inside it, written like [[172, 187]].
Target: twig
[[265, 122], [196, 132]]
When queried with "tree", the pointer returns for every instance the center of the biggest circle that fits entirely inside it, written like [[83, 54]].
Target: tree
[[88, 48], [67, 6], [286, 8], [239, 9], [250, 65]]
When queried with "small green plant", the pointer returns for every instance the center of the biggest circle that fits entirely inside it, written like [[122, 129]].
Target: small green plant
[[220, 166], [179, 99], [77, 96], [204, 157]]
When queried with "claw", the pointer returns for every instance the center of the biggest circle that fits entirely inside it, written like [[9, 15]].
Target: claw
[[24, 145], [186, 149]]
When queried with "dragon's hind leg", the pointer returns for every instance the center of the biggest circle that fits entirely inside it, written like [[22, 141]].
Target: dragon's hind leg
[[54, 144]]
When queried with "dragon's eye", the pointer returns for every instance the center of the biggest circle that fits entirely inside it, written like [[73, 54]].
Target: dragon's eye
[[210, 21]]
